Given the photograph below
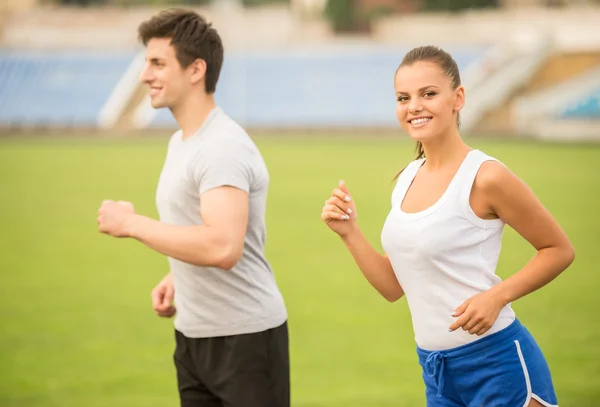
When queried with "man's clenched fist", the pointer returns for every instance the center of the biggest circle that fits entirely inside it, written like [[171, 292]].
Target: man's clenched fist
[[114, 218]]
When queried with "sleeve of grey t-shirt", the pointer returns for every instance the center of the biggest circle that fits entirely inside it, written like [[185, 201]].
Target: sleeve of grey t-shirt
[[223, 161]]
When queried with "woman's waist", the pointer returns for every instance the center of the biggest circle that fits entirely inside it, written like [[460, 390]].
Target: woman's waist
[[432, 332]]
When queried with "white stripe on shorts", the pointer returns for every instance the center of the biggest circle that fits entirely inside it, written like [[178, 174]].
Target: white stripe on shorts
[[530, 394]]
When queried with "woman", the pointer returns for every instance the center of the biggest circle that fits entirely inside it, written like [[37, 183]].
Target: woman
[[442, 240]]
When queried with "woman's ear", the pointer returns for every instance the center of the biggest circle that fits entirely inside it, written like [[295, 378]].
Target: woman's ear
[[459, 102]]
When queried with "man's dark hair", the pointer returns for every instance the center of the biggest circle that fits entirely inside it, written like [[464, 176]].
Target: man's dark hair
[[191, 36]]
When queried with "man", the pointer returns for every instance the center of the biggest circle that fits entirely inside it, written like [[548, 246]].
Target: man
[[230, 317]]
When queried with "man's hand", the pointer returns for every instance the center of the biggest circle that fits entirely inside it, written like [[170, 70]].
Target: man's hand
[[114, 218], [162, 297]]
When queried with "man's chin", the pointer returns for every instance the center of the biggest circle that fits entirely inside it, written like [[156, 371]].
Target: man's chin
[[157, 104]]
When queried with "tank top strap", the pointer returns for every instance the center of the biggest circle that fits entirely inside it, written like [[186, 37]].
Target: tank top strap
[[466, 179], [405, 180]]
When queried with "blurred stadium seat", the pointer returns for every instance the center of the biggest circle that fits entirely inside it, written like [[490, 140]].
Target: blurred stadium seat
[[588, 107], [314, 88], [524, 70], [57, 88]]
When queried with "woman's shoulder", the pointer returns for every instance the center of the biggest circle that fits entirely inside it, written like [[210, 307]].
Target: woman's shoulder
[[492, 173]]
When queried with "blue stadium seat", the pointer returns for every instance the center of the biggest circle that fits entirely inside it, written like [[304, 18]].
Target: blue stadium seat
[[294, 88], [313, 88], [62, 88], [587, 107]]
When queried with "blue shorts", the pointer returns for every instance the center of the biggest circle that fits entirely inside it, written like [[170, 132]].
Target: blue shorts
[[506, 368]]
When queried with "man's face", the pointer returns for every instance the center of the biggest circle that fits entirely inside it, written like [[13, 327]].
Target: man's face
[[168, 82]]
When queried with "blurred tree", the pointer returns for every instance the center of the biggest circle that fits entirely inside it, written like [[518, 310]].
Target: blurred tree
[[345, 16], [359, 15], [458, 5]]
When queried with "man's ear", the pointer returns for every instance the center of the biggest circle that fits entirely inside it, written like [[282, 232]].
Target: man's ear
[[198, 68]]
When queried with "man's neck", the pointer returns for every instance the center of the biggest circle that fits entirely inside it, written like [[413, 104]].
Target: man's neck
[[192, 114]]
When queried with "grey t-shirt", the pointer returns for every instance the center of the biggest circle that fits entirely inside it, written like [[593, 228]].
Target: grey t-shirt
[[210, 301]]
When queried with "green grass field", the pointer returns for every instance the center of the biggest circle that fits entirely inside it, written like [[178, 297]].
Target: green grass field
[[77, 324]]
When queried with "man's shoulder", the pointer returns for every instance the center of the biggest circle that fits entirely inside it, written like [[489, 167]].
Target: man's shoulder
[[228, 135], [175, 136], [228, 128]]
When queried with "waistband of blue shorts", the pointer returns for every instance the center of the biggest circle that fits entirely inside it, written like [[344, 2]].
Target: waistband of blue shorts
[[481, 344], [434, 361]]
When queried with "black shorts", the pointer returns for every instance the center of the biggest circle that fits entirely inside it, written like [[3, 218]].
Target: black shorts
[[248, 370]]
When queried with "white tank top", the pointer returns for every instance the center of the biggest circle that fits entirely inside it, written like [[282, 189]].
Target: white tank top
[[443, 255]]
